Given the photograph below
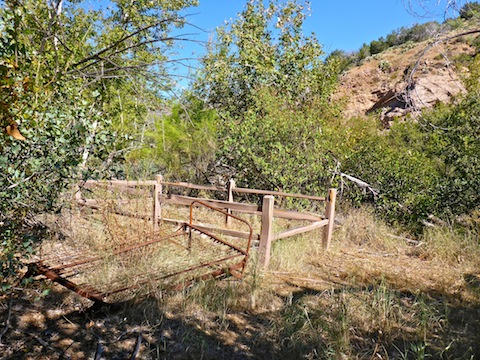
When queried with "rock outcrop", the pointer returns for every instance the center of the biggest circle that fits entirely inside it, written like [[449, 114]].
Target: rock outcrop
[[404, 79]]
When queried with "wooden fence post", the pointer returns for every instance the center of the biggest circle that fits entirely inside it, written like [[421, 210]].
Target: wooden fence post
[[266, 231], [157, 206], [230, 187], [78, 193], [330, 215]]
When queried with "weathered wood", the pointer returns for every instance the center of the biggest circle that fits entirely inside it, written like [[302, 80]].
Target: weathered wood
[[245, 208], [295, 215], [278, 193], [267, 211], [157, 206], [220, 204], [330, 215], [299, 230], [230, 187], [234, 233], [195, 186], [265, 245], [106, 186], [123, 182], [91, 203]]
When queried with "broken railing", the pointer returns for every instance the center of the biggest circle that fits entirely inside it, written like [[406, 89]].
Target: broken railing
[[267, 211], [194, 253]]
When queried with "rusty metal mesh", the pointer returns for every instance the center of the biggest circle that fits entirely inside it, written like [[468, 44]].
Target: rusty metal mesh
[[148, 262]]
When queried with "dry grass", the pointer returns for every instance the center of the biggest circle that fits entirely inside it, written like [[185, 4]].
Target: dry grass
[[174, 258], [374, 294]]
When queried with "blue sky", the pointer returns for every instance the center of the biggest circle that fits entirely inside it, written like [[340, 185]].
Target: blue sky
[[338, 24]]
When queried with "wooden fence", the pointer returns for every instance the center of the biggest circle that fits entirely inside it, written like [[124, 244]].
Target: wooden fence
[[266, 211]]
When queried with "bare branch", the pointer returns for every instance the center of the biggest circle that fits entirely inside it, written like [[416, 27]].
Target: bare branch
[[123, 39], [424, 8], [100, 59], [410, 80], [361, 183]]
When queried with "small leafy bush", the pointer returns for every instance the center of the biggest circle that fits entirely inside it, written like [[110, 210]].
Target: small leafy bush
[[470, 10]]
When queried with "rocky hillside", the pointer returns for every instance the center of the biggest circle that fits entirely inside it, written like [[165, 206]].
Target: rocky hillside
[[408, 77]]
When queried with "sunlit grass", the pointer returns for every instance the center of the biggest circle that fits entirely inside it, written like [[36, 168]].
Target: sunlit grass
[[375, 293]]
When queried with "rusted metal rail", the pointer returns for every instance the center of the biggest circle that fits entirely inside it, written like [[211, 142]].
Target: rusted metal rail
[[216, 257]]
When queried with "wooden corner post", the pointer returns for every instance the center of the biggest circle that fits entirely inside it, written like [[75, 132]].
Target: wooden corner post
[[157, 206], [231, 186], [266, 232], [330, 215]]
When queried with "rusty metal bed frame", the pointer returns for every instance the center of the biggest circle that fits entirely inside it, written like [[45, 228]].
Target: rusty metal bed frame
[[215, 257]]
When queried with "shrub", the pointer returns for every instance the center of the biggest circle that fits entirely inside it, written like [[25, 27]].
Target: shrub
[[470, 10], [378, 46], [279, 148], [396, 167], [454, 143]]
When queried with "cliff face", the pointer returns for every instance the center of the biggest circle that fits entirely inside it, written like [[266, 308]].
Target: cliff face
[[406, 78]]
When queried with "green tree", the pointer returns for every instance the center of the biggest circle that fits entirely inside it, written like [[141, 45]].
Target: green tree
[[343, 59], [264, 47], [470, 10], [66, 72], [271, 89], [182, 143], [364, 52], [377, 46]]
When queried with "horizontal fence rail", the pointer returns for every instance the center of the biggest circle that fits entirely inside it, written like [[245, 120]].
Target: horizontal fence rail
[[266, 211]]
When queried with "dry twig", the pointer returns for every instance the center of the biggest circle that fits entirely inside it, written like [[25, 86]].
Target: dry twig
[[7, 321]]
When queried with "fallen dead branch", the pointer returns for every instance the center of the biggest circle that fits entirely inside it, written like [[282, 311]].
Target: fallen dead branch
[[62, 353], [7, 321], [407, 240]]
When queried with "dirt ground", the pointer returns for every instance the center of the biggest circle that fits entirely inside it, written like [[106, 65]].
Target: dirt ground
[[45, 321], [371, 296]]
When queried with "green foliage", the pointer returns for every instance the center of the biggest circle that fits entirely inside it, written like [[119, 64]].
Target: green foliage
[[416, 33], [378, 46], [56, 121], [396, 166], [363, 53], [264, 77], [454, 141], [470, 10], [342, 58], [279, 129], [264, 47], [68, 75], [183, 141], [279, 147]]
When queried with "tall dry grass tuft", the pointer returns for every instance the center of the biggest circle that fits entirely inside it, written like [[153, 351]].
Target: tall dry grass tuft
[[293, 254], [361, 228], [375, 294], [452, 246]]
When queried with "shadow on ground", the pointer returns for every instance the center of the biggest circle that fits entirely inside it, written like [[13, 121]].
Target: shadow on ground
[[61, 325]]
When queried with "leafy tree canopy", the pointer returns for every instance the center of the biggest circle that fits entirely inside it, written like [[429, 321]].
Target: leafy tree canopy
[[264, 47], [68, 74], [271, 88]]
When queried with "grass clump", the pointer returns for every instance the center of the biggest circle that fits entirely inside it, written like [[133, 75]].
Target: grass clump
[[377, 292]]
